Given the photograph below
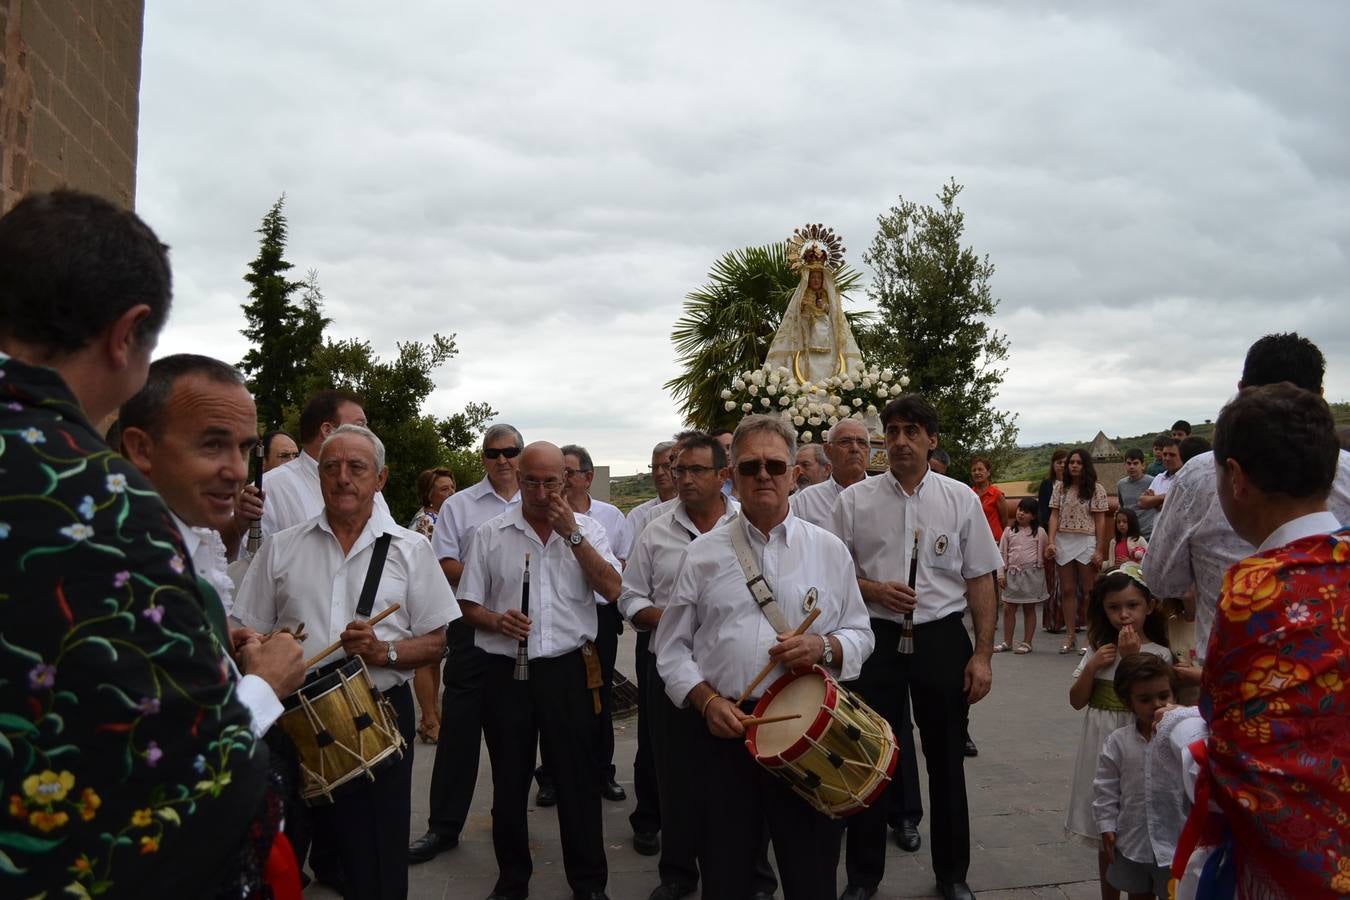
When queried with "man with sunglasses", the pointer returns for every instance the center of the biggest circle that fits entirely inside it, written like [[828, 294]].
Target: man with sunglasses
[[878, 519], [569, 562], [712, 641], [455, 771]]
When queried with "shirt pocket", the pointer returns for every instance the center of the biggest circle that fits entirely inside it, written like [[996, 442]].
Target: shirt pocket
[[941, 551]]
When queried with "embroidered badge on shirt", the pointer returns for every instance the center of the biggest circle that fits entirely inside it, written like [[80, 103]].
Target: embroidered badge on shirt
[[809, 602], [940, 545]]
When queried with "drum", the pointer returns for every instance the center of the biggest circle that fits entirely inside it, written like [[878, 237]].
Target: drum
[[341, 727], [839, 756]]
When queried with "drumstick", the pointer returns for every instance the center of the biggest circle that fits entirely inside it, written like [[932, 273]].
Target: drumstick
[[337, 645], [769, 720], [764, 672]]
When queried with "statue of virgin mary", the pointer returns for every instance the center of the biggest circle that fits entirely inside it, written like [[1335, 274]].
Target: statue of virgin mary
[[814, 340]]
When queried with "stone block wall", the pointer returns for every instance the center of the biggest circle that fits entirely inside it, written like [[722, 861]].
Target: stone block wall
[[70, 80]]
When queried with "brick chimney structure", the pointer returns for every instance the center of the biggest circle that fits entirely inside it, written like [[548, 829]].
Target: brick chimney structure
[[70, 82]]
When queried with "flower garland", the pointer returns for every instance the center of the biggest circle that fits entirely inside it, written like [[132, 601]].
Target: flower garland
[[813, 408]]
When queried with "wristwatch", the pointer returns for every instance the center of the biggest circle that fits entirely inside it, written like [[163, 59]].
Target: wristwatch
[[392, 654], [828, 656], [575, 538]]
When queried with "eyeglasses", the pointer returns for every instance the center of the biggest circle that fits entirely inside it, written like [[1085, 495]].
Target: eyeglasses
[[661, 467], [570, 472], [861, 443], [551, 483], [694, 471], [749, 468], [508, 452]]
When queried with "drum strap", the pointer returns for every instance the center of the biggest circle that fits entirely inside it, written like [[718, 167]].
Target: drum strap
[[373, 573], [754, 577]]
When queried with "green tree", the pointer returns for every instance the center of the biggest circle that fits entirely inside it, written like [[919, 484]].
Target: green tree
[[933, 303], [728, 324], [284, 331]]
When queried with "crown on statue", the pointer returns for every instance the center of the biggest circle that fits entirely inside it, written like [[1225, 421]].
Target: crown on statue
[[815, 247]]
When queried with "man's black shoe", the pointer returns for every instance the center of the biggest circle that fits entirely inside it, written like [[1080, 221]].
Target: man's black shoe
[[957, 890], [647, 843], [672, 891], [429, 845], [907, 837], [613, 791], [971, 749], [857, 892], [546, 796]]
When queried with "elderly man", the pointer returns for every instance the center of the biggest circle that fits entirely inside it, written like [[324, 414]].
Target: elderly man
[[455, 772], [316, 573], [663, 457], [149, 742], [557, 699], [713, 639], [293, 494], [880, 520], [279, 448], [813, 465], [700, 469]]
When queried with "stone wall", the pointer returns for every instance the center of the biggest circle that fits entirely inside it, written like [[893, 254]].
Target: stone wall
[[70, 80]]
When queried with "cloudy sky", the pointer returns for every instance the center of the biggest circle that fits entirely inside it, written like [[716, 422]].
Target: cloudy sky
[[1158, 184]]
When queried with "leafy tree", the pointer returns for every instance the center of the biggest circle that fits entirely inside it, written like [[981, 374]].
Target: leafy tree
[[284, 332], [728, 324], [933, 303]]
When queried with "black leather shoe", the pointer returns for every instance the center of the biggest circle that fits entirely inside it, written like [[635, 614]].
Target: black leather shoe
[[613, 791], [857, 892], [647, 843], [672, 891], [957, 890], [907, 837], [429, 845], [971, 749], [546, 796]]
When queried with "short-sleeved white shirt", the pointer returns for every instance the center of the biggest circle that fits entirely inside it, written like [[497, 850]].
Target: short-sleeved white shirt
[[649, 577], [876, 520], [640, 515], [816, 503], [462, 513]]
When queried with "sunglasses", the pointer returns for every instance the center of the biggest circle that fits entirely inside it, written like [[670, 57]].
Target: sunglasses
[[508, 452], [749, 468]]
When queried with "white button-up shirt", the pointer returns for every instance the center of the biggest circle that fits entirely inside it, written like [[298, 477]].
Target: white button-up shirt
[[208, 560], [816, 503], [462, 513], [1138, 793], [562, 604], [650, 575], [611, 518], [712, 630], [302, 575], [1193, 543], [876, 520], [292, 495], [642, 515]]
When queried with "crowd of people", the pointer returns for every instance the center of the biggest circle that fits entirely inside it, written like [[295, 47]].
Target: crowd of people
[[165, 735]]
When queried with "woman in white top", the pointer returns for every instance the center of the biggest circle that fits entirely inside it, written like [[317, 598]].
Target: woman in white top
[[1077, 535]]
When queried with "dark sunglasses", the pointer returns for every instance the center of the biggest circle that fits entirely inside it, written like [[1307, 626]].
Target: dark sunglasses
[[508, 452], [750, 467]]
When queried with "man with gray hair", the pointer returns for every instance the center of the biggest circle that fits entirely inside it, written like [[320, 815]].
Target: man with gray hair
[[455, 772], [316, 573], [663, 457], [813, 465]]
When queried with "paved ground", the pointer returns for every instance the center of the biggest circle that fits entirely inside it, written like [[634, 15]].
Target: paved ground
[[1018, 787]]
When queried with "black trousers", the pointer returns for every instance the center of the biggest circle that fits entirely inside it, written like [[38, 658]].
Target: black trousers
[[933, 678], [904, 798], [742, 797], [555, 705], [455, 772], [367, 823], [646, 815], [607, 646]]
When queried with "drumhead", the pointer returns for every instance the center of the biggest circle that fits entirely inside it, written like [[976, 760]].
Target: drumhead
[[316, 688], [803, 695]]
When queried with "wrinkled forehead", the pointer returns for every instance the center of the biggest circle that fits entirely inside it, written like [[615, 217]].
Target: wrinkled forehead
[[348, 447]]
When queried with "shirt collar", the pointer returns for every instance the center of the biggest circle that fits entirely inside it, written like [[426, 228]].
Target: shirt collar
[[729, 508], [379, 523], [1300, 528], [191, 540], [484, 488], [918, 488], [788, 528]]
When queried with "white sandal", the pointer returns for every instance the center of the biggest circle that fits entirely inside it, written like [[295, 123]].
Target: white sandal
[[1022, 648], [1002, 647]]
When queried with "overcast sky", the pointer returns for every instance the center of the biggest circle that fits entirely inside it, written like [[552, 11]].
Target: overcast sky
[[1157, 184]]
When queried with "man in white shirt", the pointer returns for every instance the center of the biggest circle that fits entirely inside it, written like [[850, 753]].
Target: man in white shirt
[[648, 579], [663, 457], [712, 641], [813, 465], [569, 562], [1170, 450], [1193, 542], [455, 772], [878, 520], [190, 431], [293, 494], [314, 573]]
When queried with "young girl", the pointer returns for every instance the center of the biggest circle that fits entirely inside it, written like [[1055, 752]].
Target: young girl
[[1023, 577], [1140, 818], [1128, 545], [1123, 618], [1077, 540]]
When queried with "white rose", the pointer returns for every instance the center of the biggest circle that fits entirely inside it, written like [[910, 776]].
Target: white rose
[[883, 393], [784, 400], [857, 401], [798, 421], [738, 384], [765, 401], [856, 415], [729, 405], [834, 420], [753, 389], [806, 436], [757, 378], [871, 410], [904, 381], [849, 385], [746, 407], [771, 389], [896, 390], [774, 378], [814, 420], [726, 394], [887, 374], [844, 409]]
